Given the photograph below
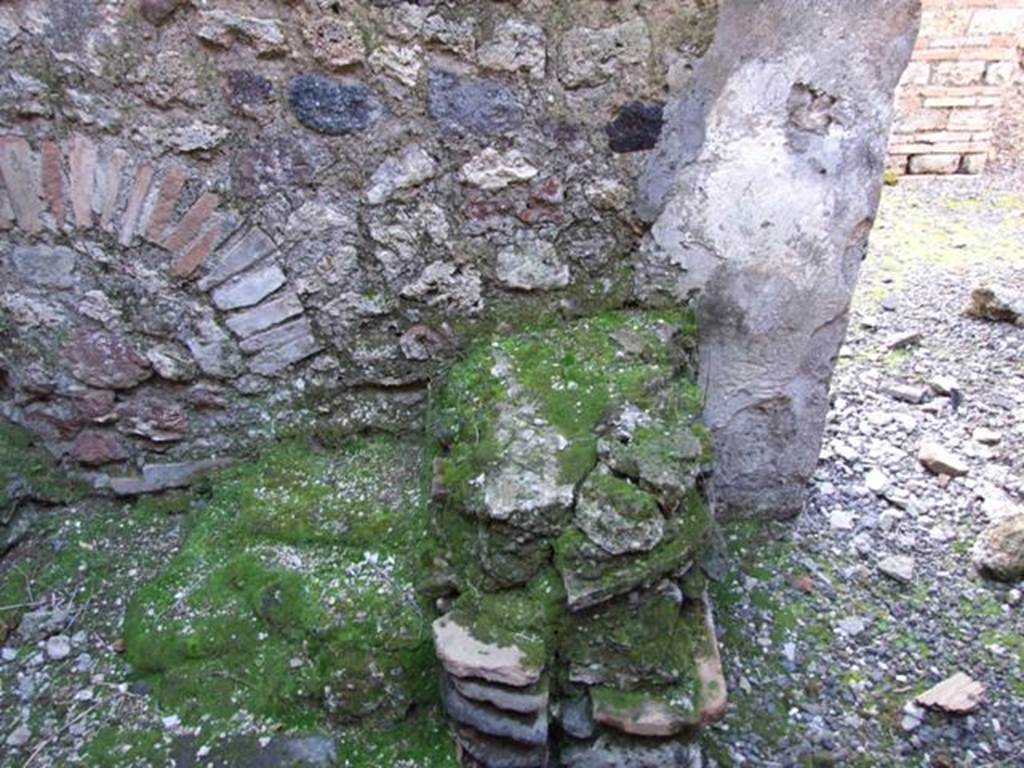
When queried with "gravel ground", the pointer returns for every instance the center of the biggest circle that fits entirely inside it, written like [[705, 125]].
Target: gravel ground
[[822, 650]]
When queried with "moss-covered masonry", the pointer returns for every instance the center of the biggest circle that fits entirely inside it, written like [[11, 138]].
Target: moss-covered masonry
[[303, 592], [565, 481], [292, 598]]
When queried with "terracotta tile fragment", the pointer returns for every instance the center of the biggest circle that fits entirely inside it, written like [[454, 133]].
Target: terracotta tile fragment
[[188, 261], [53, 180], [192, 222], [165, 203], [111, 187], [82, 164], [136, 197]]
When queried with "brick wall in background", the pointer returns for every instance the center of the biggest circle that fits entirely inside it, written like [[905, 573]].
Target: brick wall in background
[[967, 59]]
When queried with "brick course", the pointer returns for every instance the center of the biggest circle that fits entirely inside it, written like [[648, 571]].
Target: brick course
[[967, 57]]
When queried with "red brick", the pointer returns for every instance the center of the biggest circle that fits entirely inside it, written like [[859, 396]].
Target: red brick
[[53, 180], [165, 203], [192, 222], [82, 164], [187, 262], [113, 171], [136, 197], [19, 174]]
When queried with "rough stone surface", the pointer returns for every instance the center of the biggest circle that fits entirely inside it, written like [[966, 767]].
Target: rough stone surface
[[472, 105], [253, 246], [249, 288], [464, 656], [410, 168], [522, 700], [93, 448], [617, 519], [154, 418], [996, 302], [158, 11], [493, 170], [333, 107], [530, 729], [106, 361], [265, 315], [898, 567], [940, 460], [786, 140], [44, 266], [490, 751], [281, 346], [516, 44], [337, 43], [591, 57], [162, 477], [999, 550], [608, 753], [532, 265], [221, 27], [526, 489]]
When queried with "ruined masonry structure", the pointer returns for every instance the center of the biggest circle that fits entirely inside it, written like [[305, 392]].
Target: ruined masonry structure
[[968, 56], [603, 251], [223, 224], [568, 506]]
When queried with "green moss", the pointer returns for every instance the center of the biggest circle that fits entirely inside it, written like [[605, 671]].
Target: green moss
[[24, 464], [155, 506], [636, 644], [683, 538], [423, 741], [84, 554], [624, 497], [680, 702], [112, 747], [529, 618], [292, 596], [573, 373]]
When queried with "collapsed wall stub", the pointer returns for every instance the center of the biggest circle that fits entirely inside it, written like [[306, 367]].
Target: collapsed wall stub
[[761, 194]]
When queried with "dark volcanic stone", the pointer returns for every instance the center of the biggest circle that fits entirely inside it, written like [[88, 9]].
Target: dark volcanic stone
[[245, 89], [472, 105], [530, 729], [333, 107], [637, 127]]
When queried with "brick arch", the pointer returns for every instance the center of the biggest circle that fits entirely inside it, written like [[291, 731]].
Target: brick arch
[[77, 186]]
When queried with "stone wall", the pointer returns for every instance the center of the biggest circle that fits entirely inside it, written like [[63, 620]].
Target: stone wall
[[968, 56], [219, 223]]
